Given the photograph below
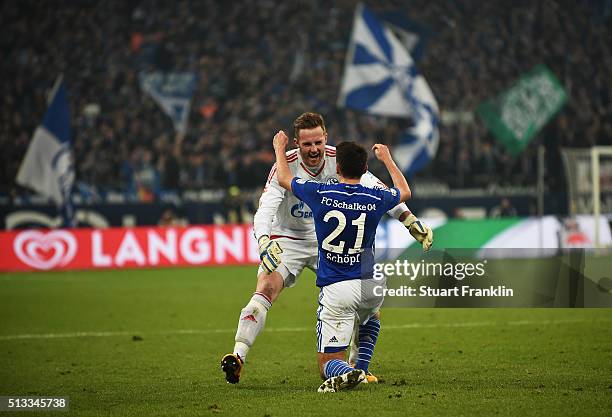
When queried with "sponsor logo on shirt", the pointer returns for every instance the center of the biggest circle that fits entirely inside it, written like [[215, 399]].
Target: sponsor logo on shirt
[[301, 211]]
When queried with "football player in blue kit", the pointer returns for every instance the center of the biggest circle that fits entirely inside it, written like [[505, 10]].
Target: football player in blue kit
[[346, 216]]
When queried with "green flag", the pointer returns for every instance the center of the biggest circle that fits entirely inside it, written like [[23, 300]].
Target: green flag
[[517, 114]]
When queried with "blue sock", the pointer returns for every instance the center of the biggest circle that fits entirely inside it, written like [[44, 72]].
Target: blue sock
[[368, 335], [336, 367]]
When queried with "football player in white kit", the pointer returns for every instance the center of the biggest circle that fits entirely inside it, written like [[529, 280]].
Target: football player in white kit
[[284, 229]]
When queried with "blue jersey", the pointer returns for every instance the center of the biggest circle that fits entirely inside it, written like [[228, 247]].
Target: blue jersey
[[345, 218]]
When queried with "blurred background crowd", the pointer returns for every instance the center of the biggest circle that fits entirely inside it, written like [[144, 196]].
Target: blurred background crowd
[[261, 63]]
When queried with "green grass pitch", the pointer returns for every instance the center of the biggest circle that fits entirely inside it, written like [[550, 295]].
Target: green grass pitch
[[148, 342]]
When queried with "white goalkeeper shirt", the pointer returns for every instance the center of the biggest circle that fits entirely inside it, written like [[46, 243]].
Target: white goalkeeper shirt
[[282, 214]]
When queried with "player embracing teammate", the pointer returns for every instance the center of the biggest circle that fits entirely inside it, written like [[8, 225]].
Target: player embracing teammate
[[285, 231]]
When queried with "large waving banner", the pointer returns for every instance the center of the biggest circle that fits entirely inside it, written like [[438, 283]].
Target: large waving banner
[[380, 78], [48, 165], [173, 92], [517, 115]]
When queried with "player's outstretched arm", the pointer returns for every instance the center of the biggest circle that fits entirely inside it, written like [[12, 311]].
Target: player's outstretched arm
[[399, 181], [417, 228], [399, 212], [420, 231], [283, 174]]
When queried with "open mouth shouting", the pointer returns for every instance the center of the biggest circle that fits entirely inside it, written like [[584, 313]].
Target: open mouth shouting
[[313, 158]]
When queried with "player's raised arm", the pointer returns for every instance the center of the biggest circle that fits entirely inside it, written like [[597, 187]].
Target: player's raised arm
[[382, 153], [417, 228], [283, 174], [399, 212]]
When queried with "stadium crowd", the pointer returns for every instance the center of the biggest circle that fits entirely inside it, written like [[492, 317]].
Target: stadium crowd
[[260, 64]]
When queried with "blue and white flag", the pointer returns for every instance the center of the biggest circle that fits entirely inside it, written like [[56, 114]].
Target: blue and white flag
[[380, 78], [48, 165], [173, 92]]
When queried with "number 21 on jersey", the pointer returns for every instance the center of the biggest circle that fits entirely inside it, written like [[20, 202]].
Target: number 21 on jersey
[[359, 222]]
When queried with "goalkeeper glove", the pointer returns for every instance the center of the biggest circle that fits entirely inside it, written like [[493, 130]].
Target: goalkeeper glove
[[420, 231], [269, 253]]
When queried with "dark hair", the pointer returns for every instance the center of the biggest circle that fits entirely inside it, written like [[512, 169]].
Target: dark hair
[[307, 120], [352, 159]]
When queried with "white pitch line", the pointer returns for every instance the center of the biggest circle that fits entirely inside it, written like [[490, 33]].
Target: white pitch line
[[285, 329]]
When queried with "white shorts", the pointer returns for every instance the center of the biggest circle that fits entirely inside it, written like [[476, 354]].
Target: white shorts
[[341, 305], [297, 255]]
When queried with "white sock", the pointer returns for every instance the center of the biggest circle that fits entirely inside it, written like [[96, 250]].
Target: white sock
[[251, 322]]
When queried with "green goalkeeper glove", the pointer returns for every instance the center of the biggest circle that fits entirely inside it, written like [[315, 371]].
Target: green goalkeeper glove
[[420, 231], [269, 253]]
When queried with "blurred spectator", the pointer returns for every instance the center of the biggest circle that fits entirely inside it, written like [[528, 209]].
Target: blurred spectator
[[505, 209], [146, 177], [169, 218], [236, 210]]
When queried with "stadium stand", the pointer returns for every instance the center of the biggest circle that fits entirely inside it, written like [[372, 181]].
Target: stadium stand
[[259, 64]]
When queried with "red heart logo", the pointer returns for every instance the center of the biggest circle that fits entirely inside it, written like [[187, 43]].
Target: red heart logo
[[45, 251]]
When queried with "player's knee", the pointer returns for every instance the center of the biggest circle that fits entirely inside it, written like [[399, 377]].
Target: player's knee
[[377, 315], [322, 361], [323, 358], [322, 364]]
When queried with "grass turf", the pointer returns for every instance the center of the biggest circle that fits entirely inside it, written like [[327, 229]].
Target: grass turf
[[136, 343]]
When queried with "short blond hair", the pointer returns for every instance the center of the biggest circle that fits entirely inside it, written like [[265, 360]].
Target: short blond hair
[[307, 120]]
